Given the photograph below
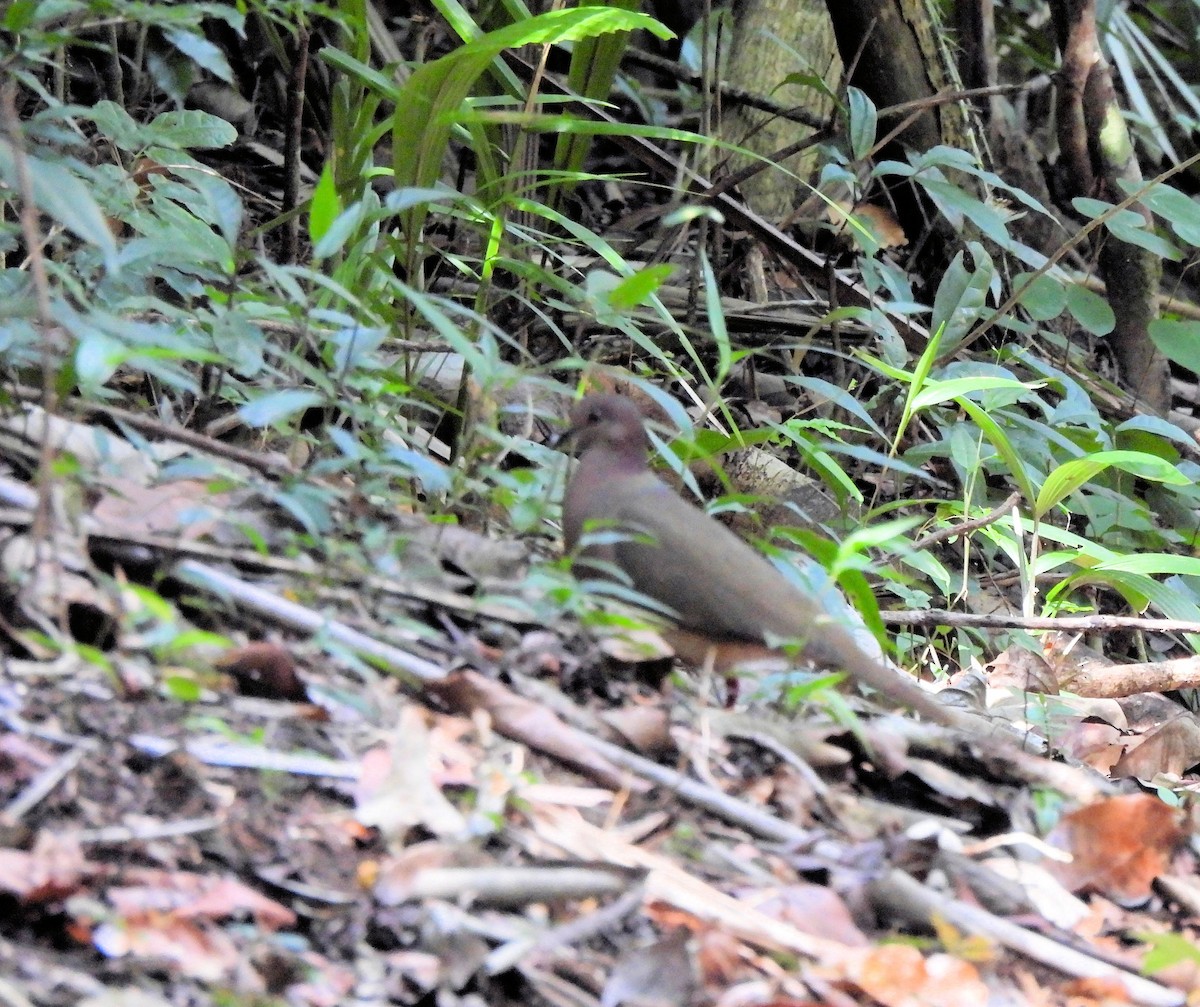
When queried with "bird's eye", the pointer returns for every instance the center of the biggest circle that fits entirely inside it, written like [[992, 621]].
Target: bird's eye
[[594, 416]]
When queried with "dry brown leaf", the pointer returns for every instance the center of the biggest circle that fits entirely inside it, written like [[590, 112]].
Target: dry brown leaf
[[662, 974], [52, 870], [645, 726], [900, 976], [188, 508], [1022, 670], [1173, 748], [1119, 846], [1097, 745], [815, 909], [189, 895], [878, 220], [397, 789], [196, 949]]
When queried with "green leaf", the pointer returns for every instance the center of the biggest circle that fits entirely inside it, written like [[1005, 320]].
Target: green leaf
[[427, 103], [118, 125], [956, 202], [1178, 210], [864, 121], [182, 688], [594, 65], [97, 357], [63, 195], [1179, 341], [1070, 476], [190, 129], [276, 406], [324, 206], [962, 296], [822, 389], [1167, 950], [1090, 310], [1044, 297], [635, 290], [714, 308], [1128, 226], [201, 51], [942, 391], [999, 440], [1154, 564], [20, 15]]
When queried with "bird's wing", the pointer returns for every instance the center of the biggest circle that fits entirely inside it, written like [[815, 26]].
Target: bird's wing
[[713, 581]]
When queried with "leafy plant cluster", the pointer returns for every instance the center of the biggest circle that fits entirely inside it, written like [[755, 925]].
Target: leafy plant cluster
[[158, 291]]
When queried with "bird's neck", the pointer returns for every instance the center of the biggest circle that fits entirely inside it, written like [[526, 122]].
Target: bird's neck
[[607, 461]]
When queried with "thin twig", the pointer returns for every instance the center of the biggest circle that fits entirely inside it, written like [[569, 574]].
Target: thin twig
[[286, 613], [974, 524], [902, 893], [1072, 623], [11, 124]]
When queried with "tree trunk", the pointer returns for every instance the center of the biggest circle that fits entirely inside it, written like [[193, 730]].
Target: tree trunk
[[1098, 154], [772, 39]]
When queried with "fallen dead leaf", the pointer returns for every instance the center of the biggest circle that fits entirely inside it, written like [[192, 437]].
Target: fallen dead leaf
[[1173, 748], [397, 790], [52, 870], [900, 976], [1118, 846]]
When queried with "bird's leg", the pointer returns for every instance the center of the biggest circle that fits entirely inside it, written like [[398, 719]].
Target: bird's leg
[[704, 726]]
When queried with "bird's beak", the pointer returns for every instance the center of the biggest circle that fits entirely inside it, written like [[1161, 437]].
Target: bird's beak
[[561, 439]]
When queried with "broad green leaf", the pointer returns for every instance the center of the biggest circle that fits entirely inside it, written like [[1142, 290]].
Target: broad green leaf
[[1180, 211], [118, 125], [1127, 225], [864, 121], [1090, 310], [20, 15], [1135, 588], [1070, 476], [1178, 340], [955, 202], [1044, 297], [189, 129], [635, 290], [201, 51], [1167, 950], [97, 357], [962, 296], [1154, 564]]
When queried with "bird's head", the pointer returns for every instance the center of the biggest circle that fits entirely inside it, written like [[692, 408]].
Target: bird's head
[[611, 421]]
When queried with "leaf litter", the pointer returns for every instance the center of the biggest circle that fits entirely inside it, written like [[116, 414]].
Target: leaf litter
[[300, 820]]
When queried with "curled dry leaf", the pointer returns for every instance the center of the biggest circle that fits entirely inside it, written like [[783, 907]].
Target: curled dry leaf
[[52, 870], [646, 727], [1173, 748], [1023, 671]]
